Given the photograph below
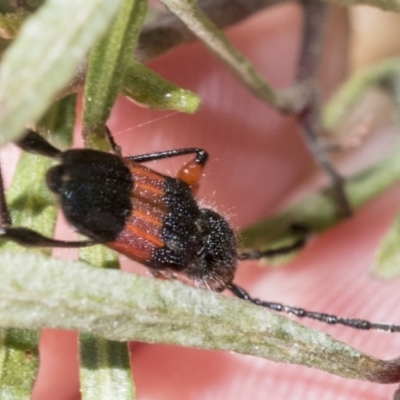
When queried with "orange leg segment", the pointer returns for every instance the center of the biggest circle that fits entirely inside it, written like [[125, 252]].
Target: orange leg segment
[[190, 173]]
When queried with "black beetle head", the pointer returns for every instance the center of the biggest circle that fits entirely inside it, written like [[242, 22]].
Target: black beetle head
[[215, 263]]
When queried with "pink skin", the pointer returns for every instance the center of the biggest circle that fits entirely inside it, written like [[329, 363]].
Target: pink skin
[[257, 162]]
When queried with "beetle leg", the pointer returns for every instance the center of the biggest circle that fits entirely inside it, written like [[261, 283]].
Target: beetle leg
[[191, 172], [32, 142], [30, 238], [201, 155], [116, 149]]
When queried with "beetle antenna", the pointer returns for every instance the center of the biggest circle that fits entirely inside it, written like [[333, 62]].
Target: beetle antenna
[[330, 319]]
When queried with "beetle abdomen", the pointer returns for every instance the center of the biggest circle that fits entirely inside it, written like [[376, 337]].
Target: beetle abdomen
[[94, 190], [160, 231]]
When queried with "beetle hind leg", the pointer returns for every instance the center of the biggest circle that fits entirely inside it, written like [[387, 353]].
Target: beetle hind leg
[[30, 238], [32, 142], [192, 171]]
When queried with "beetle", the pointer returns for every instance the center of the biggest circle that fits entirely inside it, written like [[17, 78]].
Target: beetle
[[151, 218]]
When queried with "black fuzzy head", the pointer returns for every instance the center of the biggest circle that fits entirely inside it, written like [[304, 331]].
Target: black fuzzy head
[[214, 265]]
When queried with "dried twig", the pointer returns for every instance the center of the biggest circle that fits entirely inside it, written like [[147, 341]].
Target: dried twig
[[308, 96]]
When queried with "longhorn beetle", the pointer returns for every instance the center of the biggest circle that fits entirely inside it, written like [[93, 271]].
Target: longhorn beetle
[[151, 218]]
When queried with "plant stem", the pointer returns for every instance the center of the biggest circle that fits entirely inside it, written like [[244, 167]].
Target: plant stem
[[308, 95]]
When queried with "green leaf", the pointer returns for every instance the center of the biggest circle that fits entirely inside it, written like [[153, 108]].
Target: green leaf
[[19, 361], [106, 67], [58, 123], [105, 371], [144, 86], [99, 256], [32, 206], [385, 74], [10, 24], [43, 58], [318, 211], [104, 365], [191, 15], [38, 292], [387, 258]]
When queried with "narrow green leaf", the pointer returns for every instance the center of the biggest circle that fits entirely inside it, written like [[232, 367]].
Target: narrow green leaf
[[319, 211], [351, 92], [31, 206], [106, 67], [19, 360], [105, 371], [38, 292], [191, 15], [104, 364], [144, 86], [30, 201], [6, 6], [51, 44], [58, 123], [387, 257], [99, 256], [10, 24]]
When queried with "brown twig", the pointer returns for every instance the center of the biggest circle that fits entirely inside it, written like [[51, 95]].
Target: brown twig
[[308, 94]]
